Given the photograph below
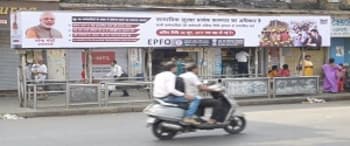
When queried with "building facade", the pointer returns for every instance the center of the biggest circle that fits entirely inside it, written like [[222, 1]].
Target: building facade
[[67, 64]]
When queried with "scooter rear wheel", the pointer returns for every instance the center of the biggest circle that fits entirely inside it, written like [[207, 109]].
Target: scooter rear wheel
[[161, 132], [237, 125]]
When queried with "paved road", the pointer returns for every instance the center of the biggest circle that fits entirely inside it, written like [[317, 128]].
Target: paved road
[[278, 125]]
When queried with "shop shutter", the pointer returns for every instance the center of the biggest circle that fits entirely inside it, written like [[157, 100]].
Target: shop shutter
[[75, 61], [9, 61]]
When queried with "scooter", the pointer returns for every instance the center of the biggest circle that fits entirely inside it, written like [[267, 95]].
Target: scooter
[[165, 119]]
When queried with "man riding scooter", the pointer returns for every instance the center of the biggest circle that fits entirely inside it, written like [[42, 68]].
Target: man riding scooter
[[164, 88], [193, 86], [166, 119]]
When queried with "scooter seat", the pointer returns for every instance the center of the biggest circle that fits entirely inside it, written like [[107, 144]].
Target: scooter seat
[[182, 105], [165, 103]]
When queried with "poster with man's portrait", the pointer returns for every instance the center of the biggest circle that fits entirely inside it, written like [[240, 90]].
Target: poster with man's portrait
[[339, 51], [45, 28]]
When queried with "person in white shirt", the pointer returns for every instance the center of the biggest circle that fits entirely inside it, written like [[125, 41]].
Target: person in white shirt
[[117, 72], [193, 86], [39, 70], [242, 59], [164, 88]]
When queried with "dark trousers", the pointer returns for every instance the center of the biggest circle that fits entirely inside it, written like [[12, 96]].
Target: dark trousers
[[215, 104], [125, 92], [243, 69]]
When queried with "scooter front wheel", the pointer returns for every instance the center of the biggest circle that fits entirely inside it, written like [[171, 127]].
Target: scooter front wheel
[[162, 133], [237, 125]]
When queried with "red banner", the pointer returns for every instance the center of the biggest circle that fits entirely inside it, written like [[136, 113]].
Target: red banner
[[100, 57]]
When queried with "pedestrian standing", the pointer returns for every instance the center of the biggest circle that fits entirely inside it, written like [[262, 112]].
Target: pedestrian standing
[[242, 59], [341, 75], [39, 71], [330, 73], [308, 66]]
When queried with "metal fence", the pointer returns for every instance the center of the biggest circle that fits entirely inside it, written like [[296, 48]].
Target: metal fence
[[247, 87], [296, 85], [78, 93], [35, 89], [107, 86], [82, 94]]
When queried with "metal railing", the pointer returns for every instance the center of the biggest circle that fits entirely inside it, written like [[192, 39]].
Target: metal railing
[[106, 86], [296, 85], [236, 87], [85, 92], [32, 92], [247, 87]]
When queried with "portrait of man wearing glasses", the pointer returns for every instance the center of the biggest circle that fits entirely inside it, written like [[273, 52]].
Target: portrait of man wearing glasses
[[45, 28]]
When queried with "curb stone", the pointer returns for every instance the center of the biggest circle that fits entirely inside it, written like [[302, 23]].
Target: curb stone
[[141, 105]]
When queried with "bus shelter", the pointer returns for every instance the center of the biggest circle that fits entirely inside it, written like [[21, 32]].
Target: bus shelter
[[149, 31]]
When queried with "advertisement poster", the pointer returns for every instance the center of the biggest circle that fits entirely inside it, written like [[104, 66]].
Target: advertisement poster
[[149, 29], [340, 27], [101, 62], [339, 51]]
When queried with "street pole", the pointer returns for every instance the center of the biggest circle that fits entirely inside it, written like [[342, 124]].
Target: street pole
[[24, 79], [249, 62], [90, 65], [303, 60], [149, 64], [256, 61], [85, 65]]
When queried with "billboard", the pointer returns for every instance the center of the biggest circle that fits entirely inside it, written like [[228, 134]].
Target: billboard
[[340, 27], [60, 29]]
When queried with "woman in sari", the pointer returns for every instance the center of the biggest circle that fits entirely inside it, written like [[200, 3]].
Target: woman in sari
[[330, 80]]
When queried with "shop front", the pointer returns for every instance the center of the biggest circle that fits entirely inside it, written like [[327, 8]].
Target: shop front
[[340, 42], [9, 59], [142, 41]]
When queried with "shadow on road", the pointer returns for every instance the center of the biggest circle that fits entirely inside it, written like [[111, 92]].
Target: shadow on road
[[257, 133]]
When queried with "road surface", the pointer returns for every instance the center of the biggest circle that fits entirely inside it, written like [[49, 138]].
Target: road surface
[[273, 125]]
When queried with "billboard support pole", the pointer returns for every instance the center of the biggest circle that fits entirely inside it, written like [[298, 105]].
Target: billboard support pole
[[90, 65], [303, 60], [256, 61], [149, 64]]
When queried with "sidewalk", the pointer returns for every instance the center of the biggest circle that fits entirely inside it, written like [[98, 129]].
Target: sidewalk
[[54, 106]]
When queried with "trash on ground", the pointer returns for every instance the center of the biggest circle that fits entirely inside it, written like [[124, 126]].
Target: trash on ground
[[314, 100], [10, 117]]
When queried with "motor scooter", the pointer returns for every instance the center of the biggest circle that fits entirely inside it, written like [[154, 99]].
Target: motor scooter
[[166, 119]]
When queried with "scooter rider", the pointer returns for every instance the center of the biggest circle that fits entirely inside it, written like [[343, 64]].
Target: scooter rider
[[192, 87], [164, 88]]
